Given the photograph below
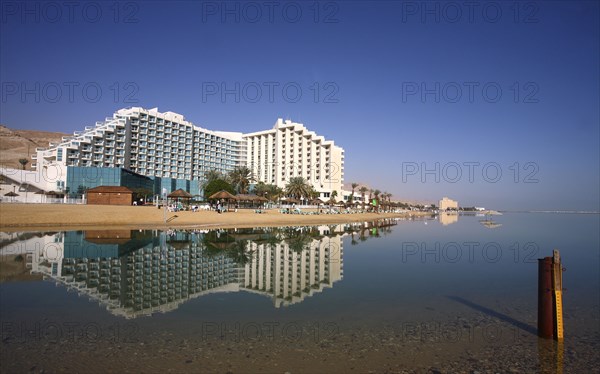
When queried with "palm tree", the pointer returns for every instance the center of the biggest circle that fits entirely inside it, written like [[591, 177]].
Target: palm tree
[[212, 175], [240, 178], [376, 193], [275, 192], [297, 187], [239, 252], [261, 189], [384, 198], [363, 190], [23, 162], [332, 199], [354, 185]]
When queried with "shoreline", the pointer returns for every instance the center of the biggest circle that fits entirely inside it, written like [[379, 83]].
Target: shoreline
[[59, 217]]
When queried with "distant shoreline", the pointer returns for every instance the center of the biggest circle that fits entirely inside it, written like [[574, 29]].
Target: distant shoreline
[[62, 217], [552, 211]]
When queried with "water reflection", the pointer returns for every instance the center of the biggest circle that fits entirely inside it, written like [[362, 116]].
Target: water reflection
[[138, 273], [448, 218]]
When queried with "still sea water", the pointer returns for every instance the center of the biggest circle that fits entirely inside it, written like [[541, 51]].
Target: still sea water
[[454, 294]]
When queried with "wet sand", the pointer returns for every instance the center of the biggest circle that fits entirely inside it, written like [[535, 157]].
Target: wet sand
[[17, 217]]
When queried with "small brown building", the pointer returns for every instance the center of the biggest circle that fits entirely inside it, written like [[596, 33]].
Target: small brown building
[[109, 195]]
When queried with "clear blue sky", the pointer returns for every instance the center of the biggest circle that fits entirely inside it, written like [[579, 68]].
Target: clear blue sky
[[369, 62]]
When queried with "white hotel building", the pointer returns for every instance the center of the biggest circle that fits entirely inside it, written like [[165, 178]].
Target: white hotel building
[[176, 153], [291, 150]]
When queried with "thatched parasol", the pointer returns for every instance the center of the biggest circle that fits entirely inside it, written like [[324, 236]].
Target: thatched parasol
[[222, 195], [180, 194], [250, 197]]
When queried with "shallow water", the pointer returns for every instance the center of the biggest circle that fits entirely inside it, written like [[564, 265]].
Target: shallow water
[[392, 296]]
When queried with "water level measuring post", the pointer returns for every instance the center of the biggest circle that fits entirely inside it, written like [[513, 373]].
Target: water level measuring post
[[557, 287]]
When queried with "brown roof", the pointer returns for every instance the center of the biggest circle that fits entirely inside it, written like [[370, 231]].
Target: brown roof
[[250, 197], [222, 195], [180, 193], [110, 189]]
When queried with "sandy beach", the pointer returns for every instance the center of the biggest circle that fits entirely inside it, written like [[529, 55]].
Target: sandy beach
[[18, 217]]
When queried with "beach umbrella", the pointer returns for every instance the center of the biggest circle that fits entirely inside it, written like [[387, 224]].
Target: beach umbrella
[[252, 198], [222, 195], [40, 192], [11, 195], [180, 194]]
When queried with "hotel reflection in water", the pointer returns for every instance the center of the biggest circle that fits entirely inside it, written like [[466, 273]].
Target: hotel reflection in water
[[138, 273]]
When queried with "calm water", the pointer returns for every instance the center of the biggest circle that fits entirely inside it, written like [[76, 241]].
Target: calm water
[[433, 295]]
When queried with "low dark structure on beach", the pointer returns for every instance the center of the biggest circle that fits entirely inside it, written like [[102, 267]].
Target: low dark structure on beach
[[109, 195]]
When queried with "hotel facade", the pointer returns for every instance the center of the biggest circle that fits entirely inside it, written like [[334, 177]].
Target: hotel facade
[[167, 152], [291, 150]]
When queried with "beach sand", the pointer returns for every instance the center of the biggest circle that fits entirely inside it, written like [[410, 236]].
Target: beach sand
[[20, 217]]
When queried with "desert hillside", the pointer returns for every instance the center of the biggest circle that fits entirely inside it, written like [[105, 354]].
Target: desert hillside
[[17, 144]]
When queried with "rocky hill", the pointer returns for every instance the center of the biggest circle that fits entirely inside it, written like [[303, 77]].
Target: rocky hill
[[17, 144]]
